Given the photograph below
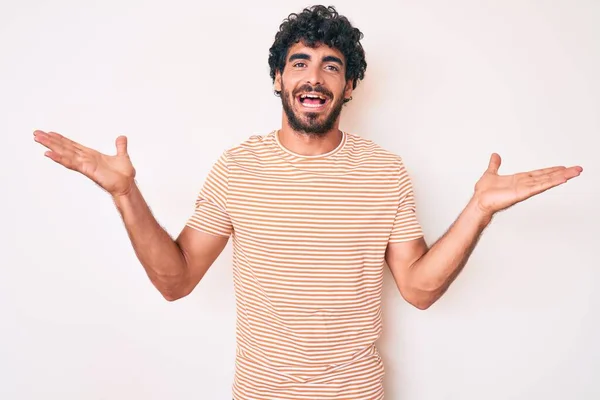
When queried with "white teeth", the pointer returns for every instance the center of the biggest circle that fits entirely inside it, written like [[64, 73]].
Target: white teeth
[[312, 96], [313, 105]]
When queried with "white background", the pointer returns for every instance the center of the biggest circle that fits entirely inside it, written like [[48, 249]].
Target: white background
[[447, 84]]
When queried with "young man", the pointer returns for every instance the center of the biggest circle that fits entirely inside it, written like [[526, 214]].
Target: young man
[[314, 212]]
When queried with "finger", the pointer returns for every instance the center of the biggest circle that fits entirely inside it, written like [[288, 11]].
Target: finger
[[494, 163], [49, 141], [121, 144], [560, 175], [570, 173], [60, 151], [65, 141], [54, 157], [58, 143], [65, 158], [67, 162], [540, 186], [542, 183], [56, 138], [545, 171]]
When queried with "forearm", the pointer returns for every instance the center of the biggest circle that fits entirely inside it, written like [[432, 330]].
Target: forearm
[[441, 264], [158, 253]]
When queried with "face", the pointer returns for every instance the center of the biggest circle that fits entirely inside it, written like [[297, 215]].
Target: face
[[313, 88]]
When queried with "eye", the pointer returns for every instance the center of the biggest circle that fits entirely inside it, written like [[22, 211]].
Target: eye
[[332, 67], [299, 64]]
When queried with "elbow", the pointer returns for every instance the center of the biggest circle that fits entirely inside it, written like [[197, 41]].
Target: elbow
[[174, 293], [422, 298], [171, 296], [419, 299], [172, 289], [422, 304]]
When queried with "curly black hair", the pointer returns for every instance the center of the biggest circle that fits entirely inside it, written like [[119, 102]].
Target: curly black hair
[[320, 25]]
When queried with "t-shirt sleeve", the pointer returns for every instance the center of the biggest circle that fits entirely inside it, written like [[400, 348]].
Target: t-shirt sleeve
[[406, 225], [210, 214]]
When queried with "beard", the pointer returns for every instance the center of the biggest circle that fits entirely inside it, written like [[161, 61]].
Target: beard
[[311, 123]]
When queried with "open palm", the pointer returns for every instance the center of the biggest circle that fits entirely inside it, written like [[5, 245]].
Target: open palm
[[496, 192], [114, 174]]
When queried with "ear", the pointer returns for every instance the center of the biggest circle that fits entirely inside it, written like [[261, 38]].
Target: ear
[[277, 83], [348, 89]]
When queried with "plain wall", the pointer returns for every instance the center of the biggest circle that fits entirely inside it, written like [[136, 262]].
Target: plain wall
[[447, 84]]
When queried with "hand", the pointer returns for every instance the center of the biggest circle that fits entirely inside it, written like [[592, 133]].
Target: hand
[[115, 174], [495, 192]]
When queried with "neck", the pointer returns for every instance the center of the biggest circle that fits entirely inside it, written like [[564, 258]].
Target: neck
[[309, 144]]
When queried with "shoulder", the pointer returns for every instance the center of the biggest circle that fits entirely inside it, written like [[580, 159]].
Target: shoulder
[[365, 149], [253, 146]]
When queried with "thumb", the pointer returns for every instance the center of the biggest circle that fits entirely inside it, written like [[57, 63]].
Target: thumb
[[494, 164], [121, 144]]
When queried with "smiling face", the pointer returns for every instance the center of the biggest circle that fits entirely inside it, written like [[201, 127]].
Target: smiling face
[[313, 87]]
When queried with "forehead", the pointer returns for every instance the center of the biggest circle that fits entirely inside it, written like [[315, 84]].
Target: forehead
[[317, 52]]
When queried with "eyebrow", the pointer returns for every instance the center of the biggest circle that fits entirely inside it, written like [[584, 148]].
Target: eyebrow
[[304, 56]]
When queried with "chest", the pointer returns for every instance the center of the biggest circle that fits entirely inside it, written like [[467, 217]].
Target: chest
[[342, 210]]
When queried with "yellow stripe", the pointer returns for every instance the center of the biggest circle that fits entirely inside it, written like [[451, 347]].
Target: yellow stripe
[[309, 239]]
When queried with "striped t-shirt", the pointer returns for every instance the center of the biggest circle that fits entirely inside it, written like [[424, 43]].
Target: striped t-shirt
[[309, 239]]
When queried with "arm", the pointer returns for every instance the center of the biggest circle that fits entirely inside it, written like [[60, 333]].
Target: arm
[[174, 267], [424, 274]]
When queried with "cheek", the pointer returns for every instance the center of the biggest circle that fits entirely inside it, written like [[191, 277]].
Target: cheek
[[337, 87]]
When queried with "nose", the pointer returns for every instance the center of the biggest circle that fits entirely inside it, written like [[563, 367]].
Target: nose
[[314, 76]]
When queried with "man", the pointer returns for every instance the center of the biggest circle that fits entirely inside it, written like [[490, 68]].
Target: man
[[314, 213]]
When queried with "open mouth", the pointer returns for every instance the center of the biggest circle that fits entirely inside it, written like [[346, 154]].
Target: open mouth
[[313, 100]]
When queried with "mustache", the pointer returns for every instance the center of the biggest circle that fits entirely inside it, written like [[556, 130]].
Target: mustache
[[316, 89]]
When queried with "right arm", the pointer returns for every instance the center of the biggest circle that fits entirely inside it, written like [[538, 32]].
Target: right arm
[[174, 267]]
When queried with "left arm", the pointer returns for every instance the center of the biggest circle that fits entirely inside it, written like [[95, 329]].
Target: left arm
[[424, 274]]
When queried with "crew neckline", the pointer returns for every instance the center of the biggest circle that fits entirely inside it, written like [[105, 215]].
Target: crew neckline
[[328, 154]]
